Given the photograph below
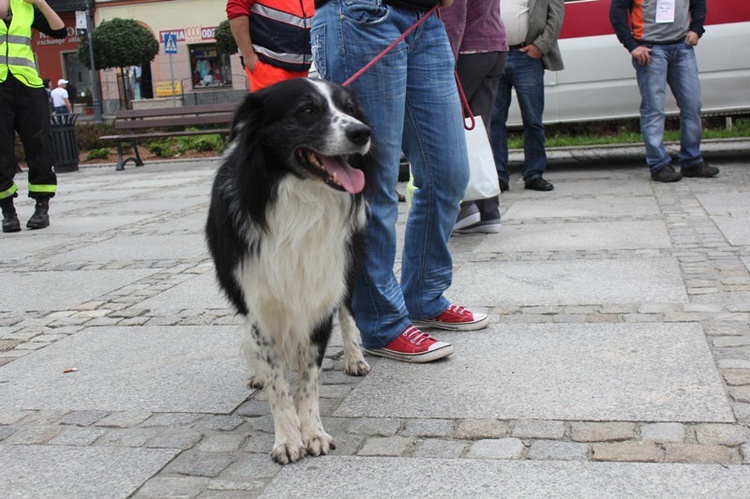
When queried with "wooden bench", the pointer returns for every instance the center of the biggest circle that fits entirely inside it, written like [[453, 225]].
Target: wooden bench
[[139, 120]]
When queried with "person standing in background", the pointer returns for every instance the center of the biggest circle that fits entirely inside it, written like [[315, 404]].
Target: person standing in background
[[661, 37], [477, 37], [273, 37], [60, 100], [533, 27], [24, 109], [48, 87]]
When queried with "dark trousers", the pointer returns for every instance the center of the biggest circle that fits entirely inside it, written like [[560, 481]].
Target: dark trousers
[[480, 76], [26, 111]]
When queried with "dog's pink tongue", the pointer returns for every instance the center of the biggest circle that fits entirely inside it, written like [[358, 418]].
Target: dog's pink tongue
[[351, 179]]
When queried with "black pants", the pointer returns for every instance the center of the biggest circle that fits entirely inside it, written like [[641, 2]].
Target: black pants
[[480, 76], [26, 111]]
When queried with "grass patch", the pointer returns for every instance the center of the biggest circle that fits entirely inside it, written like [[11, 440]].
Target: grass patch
[[627, 132]]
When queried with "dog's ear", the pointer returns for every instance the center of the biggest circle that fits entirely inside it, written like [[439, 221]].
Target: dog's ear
[[249, 114]]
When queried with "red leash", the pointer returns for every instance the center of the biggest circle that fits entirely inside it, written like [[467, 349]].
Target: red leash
[[464, 101], [390, 47]]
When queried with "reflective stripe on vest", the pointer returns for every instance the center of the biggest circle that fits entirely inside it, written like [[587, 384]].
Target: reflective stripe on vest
[[48, 188], [9, 193], [15, 45], [281, 34]]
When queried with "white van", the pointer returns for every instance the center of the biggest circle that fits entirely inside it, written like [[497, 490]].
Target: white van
[[598, 82]]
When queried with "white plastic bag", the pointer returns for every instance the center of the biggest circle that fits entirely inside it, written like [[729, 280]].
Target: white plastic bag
[[483, 182]]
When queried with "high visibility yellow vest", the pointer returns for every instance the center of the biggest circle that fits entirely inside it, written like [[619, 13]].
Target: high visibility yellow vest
[[16, 55]]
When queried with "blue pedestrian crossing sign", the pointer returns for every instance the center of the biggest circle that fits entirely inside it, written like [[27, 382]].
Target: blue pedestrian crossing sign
[[170, 43]]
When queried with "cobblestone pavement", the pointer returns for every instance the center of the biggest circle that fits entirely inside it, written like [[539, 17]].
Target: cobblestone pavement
[[124, 256]]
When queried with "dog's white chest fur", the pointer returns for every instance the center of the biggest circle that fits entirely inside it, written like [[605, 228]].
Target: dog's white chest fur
[[298, 279]]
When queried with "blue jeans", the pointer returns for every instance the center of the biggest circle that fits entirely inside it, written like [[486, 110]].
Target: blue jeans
[[674, 64], [526, 75], [411, 101]]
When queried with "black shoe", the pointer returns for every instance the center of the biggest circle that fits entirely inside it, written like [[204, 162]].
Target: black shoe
[[503, 185], [666, 174], [538, 184], [700, 170], [10, 218], [40, 218]]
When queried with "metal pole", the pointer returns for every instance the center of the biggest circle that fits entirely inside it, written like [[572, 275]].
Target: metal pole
[[171, 77], [96, 99]]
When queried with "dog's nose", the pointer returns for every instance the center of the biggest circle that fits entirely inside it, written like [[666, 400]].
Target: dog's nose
[[358, 133]]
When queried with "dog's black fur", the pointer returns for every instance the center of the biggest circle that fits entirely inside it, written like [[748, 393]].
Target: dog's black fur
[[285, 229]]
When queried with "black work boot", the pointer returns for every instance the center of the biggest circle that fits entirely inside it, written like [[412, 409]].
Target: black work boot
[[10, 219], [40, 218]]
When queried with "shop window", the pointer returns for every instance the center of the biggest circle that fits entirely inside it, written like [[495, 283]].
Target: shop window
[[211, 67]]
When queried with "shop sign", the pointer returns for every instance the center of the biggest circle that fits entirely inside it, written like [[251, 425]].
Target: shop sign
[[164, 88], [189, 34]]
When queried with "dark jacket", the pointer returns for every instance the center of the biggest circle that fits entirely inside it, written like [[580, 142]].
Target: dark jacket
[[635, 24]]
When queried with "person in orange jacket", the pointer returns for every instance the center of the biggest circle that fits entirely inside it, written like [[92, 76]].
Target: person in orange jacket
[[273, 37]]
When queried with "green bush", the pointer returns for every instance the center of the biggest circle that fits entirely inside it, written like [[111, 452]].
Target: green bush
[[87, 135], [102, 153], [200, 143], [161, 148]]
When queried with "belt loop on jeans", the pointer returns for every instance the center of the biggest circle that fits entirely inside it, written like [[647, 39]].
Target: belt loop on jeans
[[516, 47]]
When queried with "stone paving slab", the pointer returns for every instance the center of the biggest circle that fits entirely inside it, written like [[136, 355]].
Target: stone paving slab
[[77, 472], [582, 372], [199, 292], [134, 247], [28, 244], [450, 478], [569, 282], [158, 369], [61, 290], [725, 203], [571, 236], [81, 224], [535, 207], [735, 229], [153, 205], [585, 186]]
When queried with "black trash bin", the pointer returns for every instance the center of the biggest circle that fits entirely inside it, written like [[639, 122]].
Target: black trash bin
[[63, 128]]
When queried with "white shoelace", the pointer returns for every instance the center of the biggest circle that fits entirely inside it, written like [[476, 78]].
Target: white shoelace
[[457, 309], [414, 335]]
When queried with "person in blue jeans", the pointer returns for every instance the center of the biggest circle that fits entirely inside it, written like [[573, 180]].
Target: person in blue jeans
[[532, 28], [661, 41], [411, 100]]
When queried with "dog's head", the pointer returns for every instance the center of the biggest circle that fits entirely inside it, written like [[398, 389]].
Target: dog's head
[[310, 128]]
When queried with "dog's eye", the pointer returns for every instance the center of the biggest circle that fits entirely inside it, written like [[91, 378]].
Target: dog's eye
[[306, 111], [349, 108]]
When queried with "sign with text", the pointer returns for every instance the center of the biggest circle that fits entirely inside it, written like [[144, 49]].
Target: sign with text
[[164, 88]]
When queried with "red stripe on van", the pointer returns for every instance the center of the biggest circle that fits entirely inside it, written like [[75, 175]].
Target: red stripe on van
[[591, 17]]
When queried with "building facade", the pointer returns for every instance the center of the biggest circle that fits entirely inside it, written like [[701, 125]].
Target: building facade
[[198, 73]]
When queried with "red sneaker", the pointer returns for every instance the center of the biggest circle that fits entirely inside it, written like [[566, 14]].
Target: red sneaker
[[456, 319], [413, 346]]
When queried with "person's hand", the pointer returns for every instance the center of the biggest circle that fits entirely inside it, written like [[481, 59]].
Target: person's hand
[[251, 61], [692, 38], [642, 55], [532, 51], [445, 3]]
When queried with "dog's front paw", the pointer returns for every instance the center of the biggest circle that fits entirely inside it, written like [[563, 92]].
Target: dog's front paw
[[319, 443], [254, 382], [357, 367], [287, 453]]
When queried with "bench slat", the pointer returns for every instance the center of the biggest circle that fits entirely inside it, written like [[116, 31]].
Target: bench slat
[[176, 111], [165, 122], [156, 135]]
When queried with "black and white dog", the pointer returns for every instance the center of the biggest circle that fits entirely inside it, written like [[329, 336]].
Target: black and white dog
[[285, 230]]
